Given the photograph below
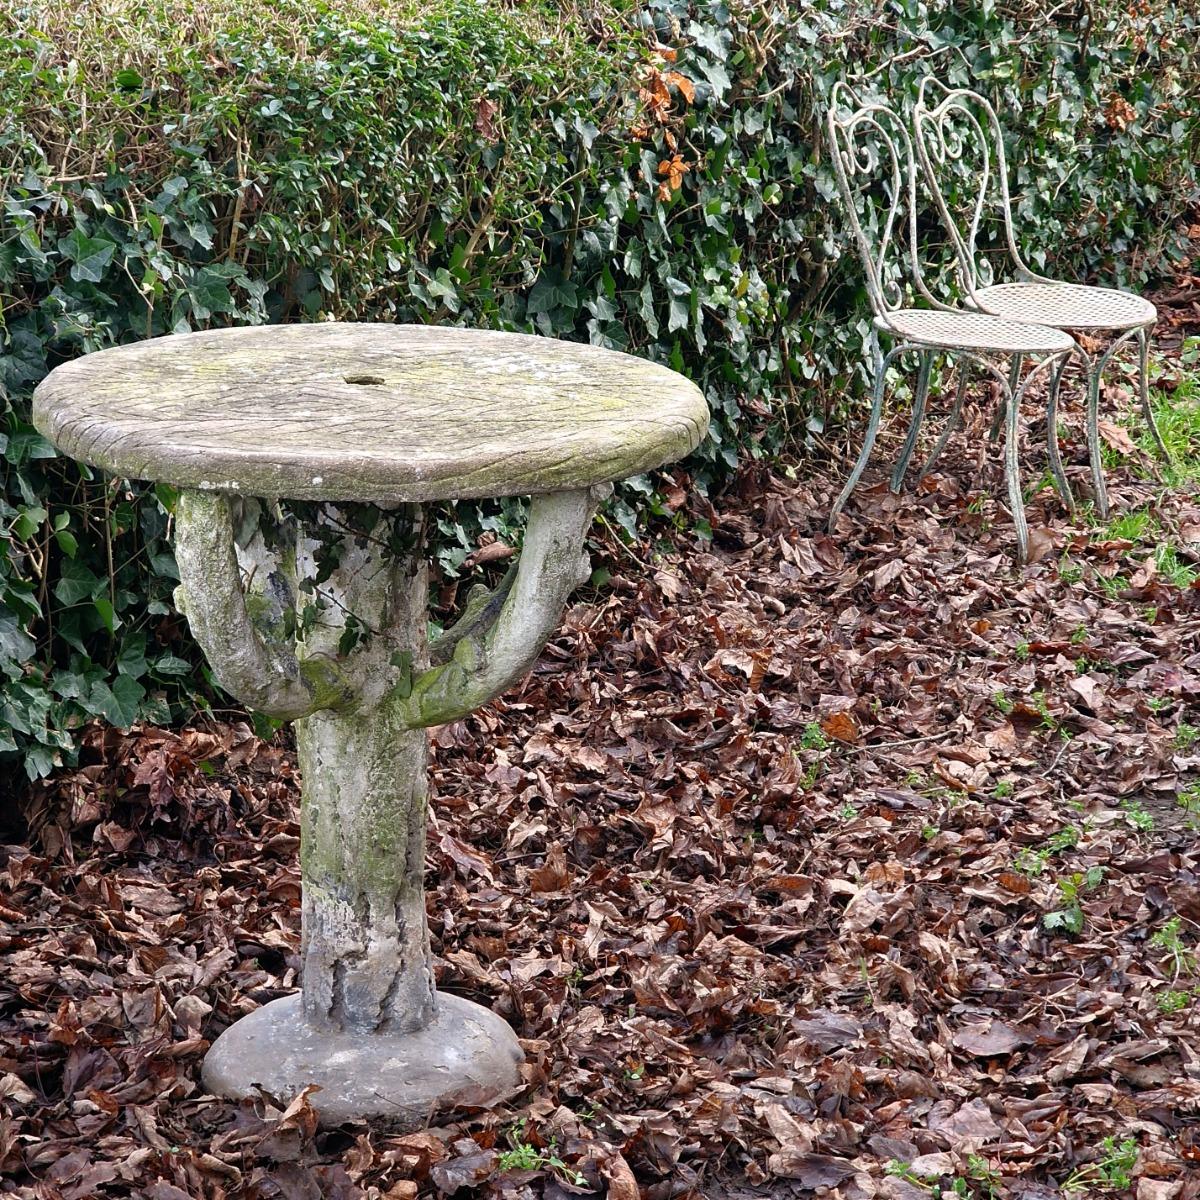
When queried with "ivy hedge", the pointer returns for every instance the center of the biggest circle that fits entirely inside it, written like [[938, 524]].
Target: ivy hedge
[[648, 176]]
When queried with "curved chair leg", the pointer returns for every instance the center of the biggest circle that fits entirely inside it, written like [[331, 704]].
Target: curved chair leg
[[1014, 378], [997, 419], [1099, 491], [1014, 374], [872, 429], [952, 422], [1144, 392], [1012, 475], [914, 425], [1056, 466]]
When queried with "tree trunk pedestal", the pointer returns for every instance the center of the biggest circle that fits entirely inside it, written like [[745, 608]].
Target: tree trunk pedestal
[[320, 618]]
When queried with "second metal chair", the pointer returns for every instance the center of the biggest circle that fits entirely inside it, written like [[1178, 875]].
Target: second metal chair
[[876, 174], [949, 123]]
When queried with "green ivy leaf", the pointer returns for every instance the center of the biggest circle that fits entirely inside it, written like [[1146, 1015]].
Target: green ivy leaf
[[210, 294], [77, 582], [16, 646], [119, 703], [171, 665], [28, 446], [90, 256], [28, 521], [40, 760], [131, 660]]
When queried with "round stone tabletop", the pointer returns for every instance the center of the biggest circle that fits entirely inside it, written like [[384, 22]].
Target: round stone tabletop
[[383, 413]]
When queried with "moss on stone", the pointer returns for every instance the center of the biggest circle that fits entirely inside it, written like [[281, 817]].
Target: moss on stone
[[267, 411]]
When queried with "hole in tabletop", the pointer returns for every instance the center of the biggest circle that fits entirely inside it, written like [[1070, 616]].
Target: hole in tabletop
[[363, 378]]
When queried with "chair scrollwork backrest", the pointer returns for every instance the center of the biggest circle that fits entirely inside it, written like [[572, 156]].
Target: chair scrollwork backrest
[[948, 125], [876, 176]]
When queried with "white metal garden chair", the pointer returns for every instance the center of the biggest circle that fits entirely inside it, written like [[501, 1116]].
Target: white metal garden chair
[[945, 123], [876, 175]]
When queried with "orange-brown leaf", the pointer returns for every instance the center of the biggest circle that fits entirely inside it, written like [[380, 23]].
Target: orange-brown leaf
[[842, 727], [485, 118], [1117, 437], [687, 89], [674, 169]]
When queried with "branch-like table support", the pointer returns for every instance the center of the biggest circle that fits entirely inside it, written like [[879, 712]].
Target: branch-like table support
[[314, 611], [361, 719]]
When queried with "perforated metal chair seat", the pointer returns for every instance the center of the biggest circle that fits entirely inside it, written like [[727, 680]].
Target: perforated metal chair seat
[[974, 331], [1067, 305]]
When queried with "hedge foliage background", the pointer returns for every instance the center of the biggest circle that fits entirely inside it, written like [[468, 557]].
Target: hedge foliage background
[[647, 176]]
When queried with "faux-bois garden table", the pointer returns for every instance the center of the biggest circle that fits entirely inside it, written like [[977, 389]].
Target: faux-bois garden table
[[305, 455]]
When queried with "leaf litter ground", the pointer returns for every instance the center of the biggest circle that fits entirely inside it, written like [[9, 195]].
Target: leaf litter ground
[[804, 865]]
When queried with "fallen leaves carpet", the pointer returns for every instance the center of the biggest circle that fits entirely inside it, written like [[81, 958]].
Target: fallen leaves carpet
[[849, 866]]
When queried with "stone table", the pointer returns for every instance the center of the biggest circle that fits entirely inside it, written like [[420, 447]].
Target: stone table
[[314, 611]]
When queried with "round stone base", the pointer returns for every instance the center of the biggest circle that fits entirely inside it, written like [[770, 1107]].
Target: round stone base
[[466, 1056]]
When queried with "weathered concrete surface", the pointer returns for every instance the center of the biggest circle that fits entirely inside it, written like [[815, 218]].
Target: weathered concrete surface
[[253, 660], [372, 412], [365, 944], [465, 1056]]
